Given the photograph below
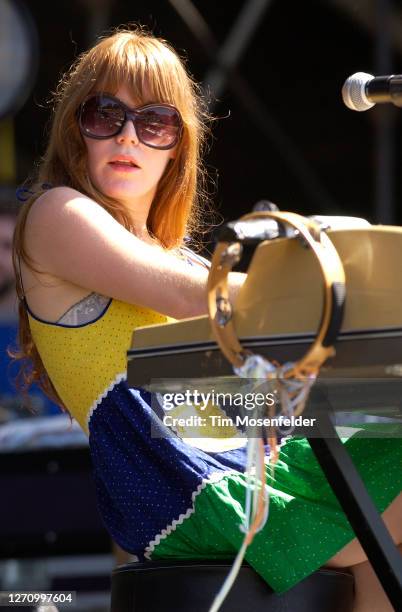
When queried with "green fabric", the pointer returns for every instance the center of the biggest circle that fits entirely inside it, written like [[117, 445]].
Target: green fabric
[[305, 526]]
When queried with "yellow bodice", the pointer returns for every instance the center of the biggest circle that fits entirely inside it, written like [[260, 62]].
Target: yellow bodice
[[84, 361]]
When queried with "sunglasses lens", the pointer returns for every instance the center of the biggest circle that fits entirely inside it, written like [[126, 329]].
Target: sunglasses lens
[[158, 126], [101, 117]]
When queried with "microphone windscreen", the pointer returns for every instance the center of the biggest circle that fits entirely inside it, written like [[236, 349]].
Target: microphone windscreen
[[354, 91]]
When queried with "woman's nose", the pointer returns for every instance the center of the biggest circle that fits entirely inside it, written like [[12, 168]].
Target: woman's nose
[[128, 132]]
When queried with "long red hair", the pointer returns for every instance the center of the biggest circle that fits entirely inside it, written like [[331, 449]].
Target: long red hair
[[151, 69]]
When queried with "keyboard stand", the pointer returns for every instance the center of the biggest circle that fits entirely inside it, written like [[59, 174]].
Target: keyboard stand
[[352, 495]]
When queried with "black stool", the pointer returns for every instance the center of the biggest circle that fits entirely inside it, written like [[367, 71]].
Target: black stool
[[181, 586]]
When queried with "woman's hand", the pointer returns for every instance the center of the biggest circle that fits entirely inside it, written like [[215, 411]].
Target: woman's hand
[[235, 283]]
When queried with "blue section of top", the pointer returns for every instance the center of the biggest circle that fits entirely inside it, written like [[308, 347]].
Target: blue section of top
[[144, 482]]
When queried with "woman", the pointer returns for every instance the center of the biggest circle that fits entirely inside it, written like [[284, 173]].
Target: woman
[[100, 254]]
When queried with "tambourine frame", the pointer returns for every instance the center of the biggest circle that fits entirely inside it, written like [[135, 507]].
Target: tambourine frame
[[228, 254]]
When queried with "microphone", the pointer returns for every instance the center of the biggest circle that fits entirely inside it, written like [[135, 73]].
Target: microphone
[[362, 91]]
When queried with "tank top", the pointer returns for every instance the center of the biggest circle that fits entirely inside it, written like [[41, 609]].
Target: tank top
[[84, 352], [85, 361]]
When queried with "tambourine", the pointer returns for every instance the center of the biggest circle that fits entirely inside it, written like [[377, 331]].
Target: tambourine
[[228, 253]]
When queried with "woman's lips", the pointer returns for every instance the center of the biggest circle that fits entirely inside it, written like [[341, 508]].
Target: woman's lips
[[121, 167]]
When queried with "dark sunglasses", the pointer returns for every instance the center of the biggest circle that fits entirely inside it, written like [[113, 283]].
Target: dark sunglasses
[[103, 116]]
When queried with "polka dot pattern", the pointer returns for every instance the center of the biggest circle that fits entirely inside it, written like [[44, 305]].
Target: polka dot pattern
[[83, 360], [306, 525], [146, 479]]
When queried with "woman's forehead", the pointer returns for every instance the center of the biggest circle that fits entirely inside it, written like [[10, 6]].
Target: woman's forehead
[[130, 97], [132, 94], [145, 81]]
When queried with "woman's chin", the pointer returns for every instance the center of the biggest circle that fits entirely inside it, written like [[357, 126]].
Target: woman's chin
[[121, 194]]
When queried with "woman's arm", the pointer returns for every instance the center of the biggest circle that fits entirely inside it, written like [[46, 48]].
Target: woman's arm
[[73, 238]]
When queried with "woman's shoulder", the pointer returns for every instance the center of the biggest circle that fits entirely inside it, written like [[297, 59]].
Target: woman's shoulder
[[52, 200], [64, 216], [49, 294]]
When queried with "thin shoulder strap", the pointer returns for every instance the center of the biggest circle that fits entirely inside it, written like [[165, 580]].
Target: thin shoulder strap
[[33, 196], [23, 299], [195, 257]]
